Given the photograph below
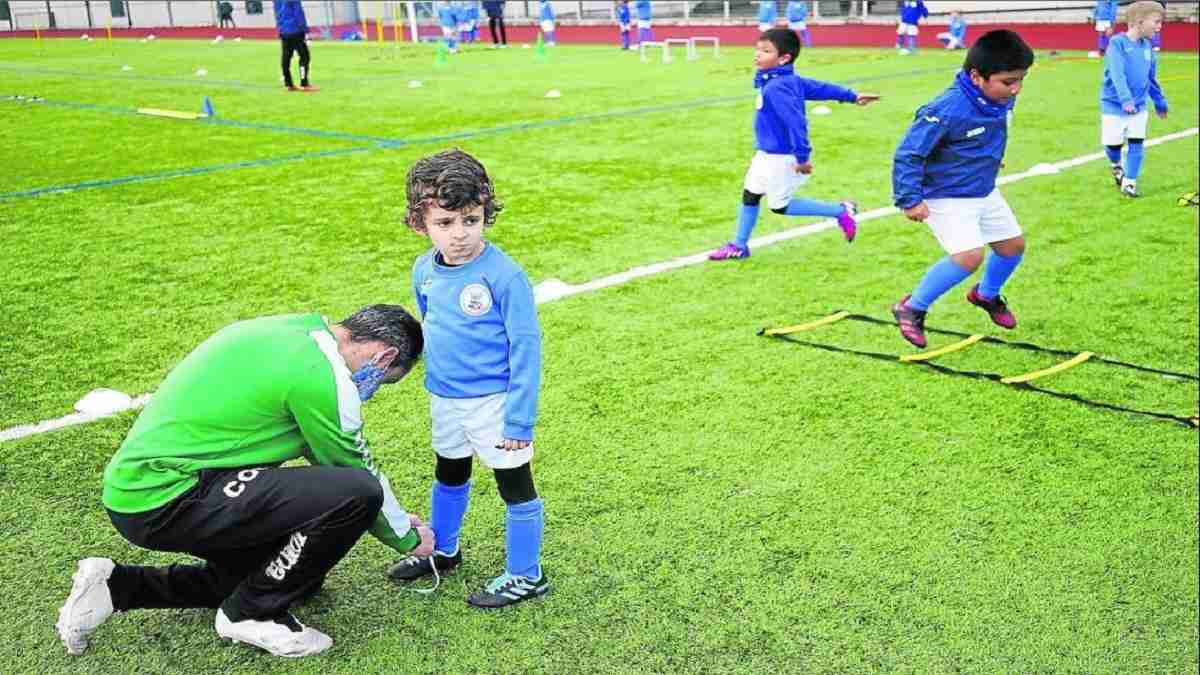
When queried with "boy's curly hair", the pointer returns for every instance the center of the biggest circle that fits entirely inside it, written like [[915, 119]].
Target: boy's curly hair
[[453, 180]]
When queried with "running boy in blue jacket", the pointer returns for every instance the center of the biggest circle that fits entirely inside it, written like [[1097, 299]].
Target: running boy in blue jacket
[[944, 173], [782, 162]]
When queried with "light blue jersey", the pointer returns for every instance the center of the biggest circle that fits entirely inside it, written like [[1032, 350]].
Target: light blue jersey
[[481, 333], [1130, 73]]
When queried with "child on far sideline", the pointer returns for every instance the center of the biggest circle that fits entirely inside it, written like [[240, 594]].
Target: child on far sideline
[[782, 161], [483, 371], [644, 21], [955, 36], [944, 173], [623, 22], [546, 16], [1130, 73], [768, 13]]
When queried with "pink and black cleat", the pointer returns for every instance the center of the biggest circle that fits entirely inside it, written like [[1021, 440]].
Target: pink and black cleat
[[996, 308], [730, 251], [847, 222], [911, 321]]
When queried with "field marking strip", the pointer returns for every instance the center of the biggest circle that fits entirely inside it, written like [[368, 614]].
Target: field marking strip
[[567, 290]]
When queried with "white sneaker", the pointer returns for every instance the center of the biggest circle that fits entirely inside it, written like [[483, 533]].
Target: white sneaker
[[292, 639], [88, 605]]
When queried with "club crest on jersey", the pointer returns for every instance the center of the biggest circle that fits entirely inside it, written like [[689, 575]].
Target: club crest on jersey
[[975, 132], [475, 300], [758, 102]]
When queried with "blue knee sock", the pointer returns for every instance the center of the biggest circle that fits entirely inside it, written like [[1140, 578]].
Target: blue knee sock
[[999, 268], [912, 43], [941, 277], [810, 207], [899, 40], [525, 523], [808, 37], [1114, 153], [550, 37], [1133, 160], [1102, 43], [747, 218], [448, 505]]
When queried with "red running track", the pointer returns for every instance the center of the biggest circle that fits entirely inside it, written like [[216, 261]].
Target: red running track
[[1177, 37]]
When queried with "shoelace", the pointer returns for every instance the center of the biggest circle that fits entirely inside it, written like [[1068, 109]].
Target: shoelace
[[500, 582], [437, 577]]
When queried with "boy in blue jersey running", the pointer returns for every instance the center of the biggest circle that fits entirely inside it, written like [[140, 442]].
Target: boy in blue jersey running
[[782, 162], [797, 16], [911, 13], [483, 372], [944, 173], [1130, 74]]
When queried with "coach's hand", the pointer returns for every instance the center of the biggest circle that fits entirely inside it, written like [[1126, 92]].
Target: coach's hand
[[805, 168], [866, 99], [918, 213], [513, 444], [425, 548]]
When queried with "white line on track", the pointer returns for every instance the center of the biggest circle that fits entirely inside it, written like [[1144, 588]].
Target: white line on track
[[554, 290]]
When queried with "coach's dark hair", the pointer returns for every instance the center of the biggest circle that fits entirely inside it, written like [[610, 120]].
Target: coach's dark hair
[[454, 181], [391, 325], [997, 51], [785, 40]]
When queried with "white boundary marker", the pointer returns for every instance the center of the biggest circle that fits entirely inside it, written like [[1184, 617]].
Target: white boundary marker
[[694, 54], [554, 289]]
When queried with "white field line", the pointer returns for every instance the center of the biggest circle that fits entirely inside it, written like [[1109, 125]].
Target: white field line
[[559, 290]]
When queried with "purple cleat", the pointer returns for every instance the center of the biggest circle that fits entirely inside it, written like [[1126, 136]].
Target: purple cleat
[[847, 222], [912, 322], [996, 308], [730, 251]]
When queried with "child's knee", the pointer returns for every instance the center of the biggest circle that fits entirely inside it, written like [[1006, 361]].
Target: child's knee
[[452, 472], [750, 199], [1010, 247], [969, 260], [516, 485]]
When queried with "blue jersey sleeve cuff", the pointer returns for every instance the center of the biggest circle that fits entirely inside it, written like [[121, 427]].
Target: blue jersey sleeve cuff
[[518, 432]]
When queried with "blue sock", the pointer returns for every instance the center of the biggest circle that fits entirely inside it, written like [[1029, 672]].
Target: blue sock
[[941, 277], [448, 505], [899, 40], [523, 539], [912, 43], [1114, 153], [997, 271], [1102, 43], [747, 218], [808, 37], [810, 207], [1133, 160], [550, 37]]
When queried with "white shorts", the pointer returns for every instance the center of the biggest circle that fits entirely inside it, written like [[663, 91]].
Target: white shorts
[[774, 176], [547, 26], [1116, 129], [797, 25], [962, 224], [1103, 26], [644, 24], [449, 32], [906, 29], [463, 427], [950, 40], [764, 27]]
